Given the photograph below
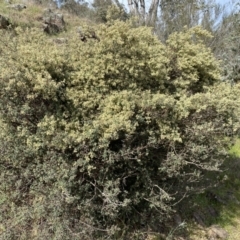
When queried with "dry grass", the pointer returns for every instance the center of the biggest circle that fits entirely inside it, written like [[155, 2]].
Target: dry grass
[[28, 17], [32, 17]]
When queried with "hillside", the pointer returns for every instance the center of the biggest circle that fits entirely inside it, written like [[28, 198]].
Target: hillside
[[110, 132]]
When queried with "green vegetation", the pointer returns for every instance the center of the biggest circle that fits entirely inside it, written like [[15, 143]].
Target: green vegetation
[[226, 202], [106, 137], [235, 149]]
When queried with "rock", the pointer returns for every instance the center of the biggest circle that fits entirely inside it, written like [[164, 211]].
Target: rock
[[79, 30], [177, 219], [231, 197], [212, 212], [199, 218], [4, 22], [60, 40], [53, 22], [88, 34], [214, 197], [18, 7], [216, 232]]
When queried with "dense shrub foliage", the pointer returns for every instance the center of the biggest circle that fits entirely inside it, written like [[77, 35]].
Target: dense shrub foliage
[[100, 138]]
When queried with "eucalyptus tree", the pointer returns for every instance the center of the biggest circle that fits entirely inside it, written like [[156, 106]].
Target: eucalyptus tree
[[168, 16], [227, 44], [138, 7]]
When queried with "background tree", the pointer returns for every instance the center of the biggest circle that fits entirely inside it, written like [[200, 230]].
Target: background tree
[[227, 46], [101, 8], [138, 7], [168, 16], [50, 3], [175, 15], [79, 8], [106, 7]]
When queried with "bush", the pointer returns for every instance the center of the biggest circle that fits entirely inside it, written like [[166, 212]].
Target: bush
[[101, 138]]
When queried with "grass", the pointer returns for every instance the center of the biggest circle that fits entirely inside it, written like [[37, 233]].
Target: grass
[[235, 150], [229, 213], [25, 18], [31, 17]]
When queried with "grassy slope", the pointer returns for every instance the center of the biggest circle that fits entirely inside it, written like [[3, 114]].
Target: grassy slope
[[31, 17], [229, 213]]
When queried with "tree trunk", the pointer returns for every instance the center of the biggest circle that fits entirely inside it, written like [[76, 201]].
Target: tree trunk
[[138, 7], [152, 15]]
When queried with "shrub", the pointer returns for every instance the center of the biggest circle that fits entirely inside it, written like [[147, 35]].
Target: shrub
[[101, 138]]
